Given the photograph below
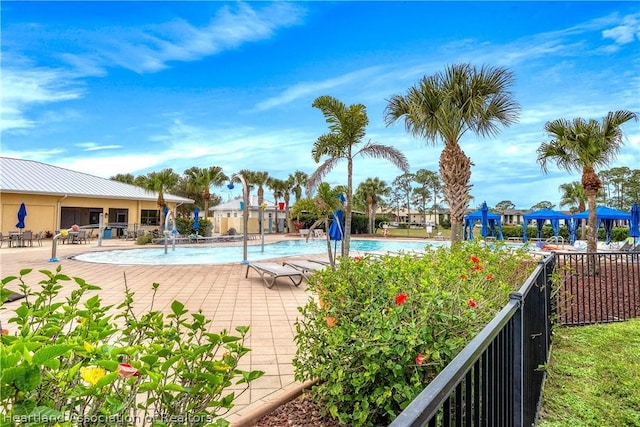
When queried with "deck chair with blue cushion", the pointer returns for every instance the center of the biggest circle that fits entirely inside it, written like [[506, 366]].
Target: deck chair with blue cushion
[[270, 271]]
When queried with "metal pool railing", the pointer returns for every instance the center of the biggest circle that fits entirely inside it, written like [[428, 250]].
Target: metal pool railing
[[497, 379]]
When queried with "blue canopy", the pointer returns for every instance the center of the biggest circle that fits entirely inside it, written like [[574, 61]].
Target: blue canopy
[[22, 214], [540, 217], [494, 221], [607, 216]]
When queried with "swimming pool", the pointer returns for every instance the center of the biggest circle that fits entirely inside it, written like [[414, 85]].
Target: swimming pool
[[197, 254]]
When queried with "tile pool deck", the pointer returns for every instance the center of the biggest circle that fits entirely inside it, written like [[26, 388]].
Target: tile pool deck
[[221, 291]]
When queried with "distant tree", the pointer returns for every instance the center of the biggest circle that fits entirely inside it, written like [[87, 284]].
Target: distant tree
[[372, 190], [278, 187], [404, 185], [615, 182], [431, 181], [161, 182], [545, 204], [127, 178], [573, 196], [200, 180], [584, 145], [420, 197], [445, 106], [504, 206], [347, 128], [300, 180]]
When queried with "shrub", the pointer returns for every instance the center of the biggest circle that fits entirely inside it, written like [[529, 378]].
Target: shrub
[[384, 329], [76, 362], [145, 239]]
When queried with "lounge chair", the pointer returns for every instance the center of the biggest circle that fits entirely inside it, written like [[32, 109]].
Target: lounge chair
[[306, 267], [270, 271]]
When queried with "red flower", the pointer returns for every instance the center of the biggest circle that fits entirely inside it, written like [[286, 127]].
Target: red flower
[[420, 359], [401, 298], [475, 259], [490, 276], [5, 332], [478, 267], [357, 258], [125, 370], [472, 303]]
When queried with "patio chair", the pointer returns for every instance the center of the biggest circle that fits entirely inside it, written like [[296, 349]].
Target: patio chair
[[270, 271], [305, 267], [2, 239], [39, 237], [27, 237]]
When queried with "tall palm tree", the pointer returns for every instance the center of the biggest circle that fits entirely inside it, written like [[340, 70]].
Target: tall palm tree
[[583, 145], [373, 190], [346, 130], [200, 180], [161, 182], [299, 182], [278, 187], [327, 201], [445, 106]]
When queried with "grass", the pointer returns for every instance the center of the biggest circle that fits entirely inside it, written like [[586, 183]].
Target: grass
[[593, 377], [414, 232]]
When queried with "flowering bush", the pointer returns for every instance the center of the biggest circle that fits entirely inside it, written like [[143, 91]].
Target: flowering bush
[[396, 322], [76, 363]]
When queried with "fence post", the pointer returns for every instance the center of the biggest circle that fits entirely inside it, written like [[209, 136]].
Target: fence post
[[518, 359]]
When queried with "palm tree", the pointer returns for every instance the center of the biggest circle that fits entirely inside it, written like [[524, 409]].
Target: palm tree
[[346, 130], [299, 182], [373, 190], [200, 180], [573, 196], [327, 201], [278, 187], [445, 106], [583, 145], [127, 178], [161, 182]]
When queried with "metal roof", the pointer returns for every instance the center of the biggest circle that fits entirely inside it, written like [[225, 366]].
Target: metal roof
[[31, 177]]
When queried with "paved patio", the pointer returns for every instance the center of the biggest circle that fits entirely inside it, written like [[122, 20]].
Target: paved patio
[[221, 291]]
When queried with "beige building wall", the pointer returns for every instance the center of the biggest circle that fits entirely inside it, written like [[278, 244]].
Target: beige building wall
[[44, 211]]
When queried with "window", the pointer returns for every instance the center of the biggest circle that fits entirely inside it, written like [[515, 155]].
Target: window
[[150, 217]]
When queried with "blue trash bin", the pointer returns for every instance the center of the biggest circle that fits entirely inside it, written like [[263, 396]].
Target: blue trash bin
[[107, 233]]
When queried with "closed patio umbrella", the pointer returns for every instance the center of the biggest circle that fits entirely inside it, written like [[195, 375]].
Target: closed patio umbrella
[[22, 213], [634, 223], [196, 219], [484, 220]]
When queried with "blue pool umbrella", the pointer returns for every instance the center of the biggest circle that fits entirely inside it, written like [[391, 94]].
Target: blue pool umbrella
[[484, 220], [22, 213], [165, 211], [572, 225], [336, 229], [634, 223], [196, 219]]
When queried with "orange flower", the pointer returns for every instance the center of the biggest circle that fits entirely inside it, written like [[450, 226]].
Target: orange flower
[[471, 303], [420, 359], [401, 298], [5, 332], [357, 258], [490, 276], [475, 259], [463, 277], [125, 370], [478, 267]]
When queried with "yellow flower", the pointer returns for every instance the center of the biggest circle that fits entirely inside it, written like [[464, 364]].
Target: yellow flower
[[88, 347], [92, 374]]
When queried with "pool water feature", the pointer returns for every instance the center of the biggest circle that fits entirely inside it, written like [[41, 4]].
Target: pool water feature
[[200, 254]]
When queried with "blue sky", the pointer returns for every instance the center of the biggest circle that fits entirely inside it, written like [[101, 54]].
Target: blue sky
[[135, 87]]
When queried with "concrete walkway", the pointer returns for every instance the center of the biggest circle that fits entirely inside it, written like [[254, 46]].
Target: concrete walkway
[[221, 291]]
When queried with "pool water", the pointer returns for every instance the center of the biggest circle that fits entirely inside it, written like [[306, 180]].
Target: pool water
[[200, 254]]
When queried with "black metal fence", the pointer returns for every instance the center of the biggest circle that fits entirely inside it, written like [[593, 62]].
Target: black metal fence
[[496, 380]]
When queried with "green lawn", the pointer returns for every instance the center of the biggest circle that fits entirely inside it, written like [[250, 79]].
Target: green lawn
[[594, 377]]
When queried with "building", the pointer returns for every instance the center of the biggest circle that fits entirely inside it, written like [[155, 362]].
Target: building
[[56, 198], [228, 215]]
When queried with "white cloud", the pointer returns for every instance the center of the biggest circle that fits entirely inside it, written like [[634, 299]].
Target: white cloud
[[627, 32]]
